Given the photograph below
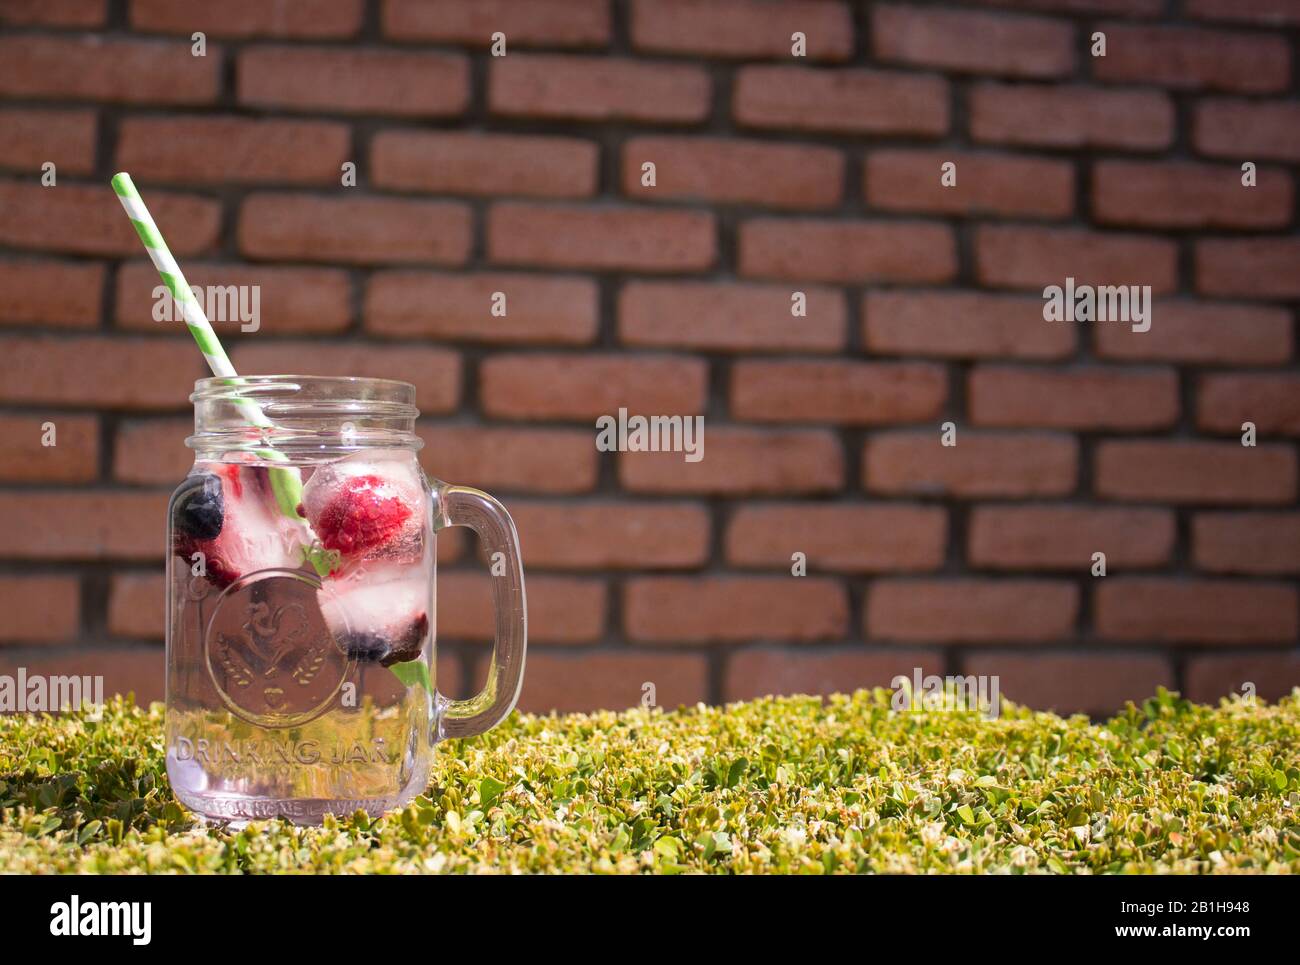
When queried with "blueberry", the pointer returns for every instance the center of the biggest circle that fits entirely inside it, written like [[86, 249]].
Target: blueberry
[[366, 647], [386, 650], [198, 507]]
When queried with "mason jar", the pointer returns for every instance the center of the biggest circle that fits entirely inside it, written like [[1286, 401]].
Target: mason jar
[[301, 602]]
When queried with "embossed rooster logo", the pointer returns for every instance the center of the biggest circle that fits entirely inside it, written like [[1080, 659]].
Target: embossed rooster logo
[[274, 642]]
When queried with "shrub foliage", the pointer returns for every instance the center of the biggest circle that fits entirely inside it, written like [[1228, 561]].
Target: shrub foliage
[[776, 785]]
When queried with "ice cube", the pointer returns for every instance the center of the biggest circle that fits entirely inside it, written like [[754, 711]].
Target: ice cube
[[367, 506], [378, 611], [252, 534]]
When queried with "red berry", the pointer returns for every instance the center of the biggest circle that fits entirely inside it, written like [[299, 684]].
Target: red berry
[[363, 515]]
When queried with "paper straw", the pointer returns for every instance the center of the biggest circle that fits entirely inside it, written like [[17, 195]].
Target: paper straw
[[287, 483], [174, 279]]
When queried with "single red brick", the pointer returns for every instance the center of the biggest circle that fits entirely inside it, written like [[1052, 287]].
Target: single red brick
[[982, 464], [1158, 194], [608, 239], [958, 324], [81, 220], [95, 68], [461, 162], [64, 138], [39, 609], [533, 23], [249, 18], [908, 180], [495, 458], [612, 535], [544, 309], [1195, 611], [670, 609], [1094, 397], [361, 231], [1178, 471], [742, 462], [612, 680], [561, 609], [848, 100], [873, 538], [290, 300], [221, 150], [52, 294], [747, 29], [561, 86], [1201, 333], [137, 670], [353, 80], [137, 606], [847, 251], [1248, 129], [67, 13], [117, 373], [1124, 8], [968, 41], [1071, 116], [1068, 683], [1268, 676], [1017, 256], [1271, 401], [1253, 543], [83, 524], [73, 457], [152, 451], [1065, 537], [1191, 58], [435, 372], [730, 171], [839, 391], [752, 673], [971, 610], [1245, 11], [584, 387], [728, 317], [1249, 267]]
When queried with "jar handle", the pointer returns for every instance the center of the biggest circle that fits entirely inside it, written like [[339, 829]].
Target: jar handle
[[463, 506]]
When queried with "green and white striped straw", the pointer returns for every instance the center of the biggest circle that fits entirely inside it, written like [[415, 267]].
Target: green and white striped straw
[[174, 279], [287, 483]]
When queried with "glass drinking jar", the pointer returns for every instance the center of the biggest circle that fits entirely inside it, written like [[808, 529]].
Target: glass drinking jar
[[300, 599]]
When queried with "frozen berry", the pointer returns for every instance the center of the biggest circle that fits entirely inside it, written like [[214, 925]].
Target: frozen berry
[[197, 507], [242, 531], [404, 643], [363, 514]]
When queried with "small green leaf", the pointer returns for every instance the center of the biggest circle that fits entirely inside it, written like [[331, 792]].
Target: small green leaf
[[489, 789], [737, 771], [321, 559], [413, 672], [89, 830]]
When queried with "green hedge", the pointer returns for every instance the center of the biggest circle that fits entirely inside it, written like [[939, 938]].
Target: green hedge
[[775, 785]]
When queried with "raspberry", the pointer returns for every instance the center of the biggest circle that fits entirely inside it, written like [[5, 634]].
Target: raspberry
[[363, 515]]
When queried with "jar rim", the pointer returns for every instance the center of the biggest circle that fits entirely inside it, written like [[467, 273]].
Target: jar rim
[[303, 412], [220, 385]]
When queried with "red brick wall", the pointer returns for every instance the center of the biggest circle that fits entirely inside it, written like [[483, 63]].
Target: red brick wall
[[775, 174]]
